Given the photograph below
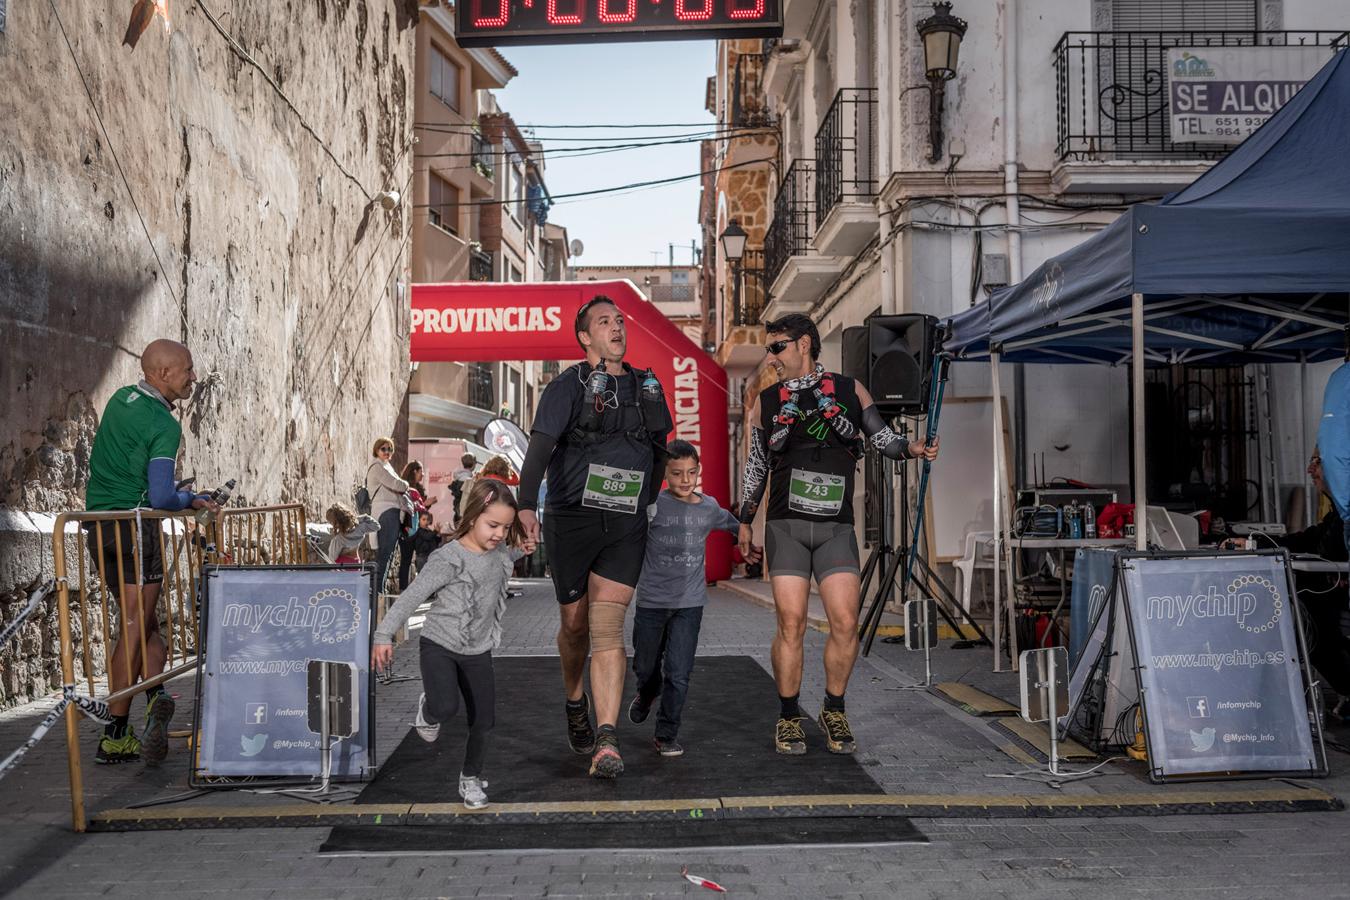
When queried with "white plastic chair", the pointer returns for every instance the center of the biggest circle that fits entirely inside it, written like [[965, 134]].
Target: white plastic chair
[[979, 555]]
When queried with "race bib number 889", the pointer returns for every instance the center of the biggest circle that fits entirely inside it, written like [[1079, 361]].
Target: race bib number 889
[[611, 488]]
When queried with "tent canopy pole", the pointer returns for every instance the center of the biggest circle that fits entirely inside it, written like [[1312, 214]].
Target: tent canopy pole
[[1137, 373]]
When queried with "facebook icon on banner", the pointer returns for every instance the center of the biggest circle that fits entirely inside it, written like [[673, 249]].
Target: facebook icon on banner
[[1199, 707], [255, 713]]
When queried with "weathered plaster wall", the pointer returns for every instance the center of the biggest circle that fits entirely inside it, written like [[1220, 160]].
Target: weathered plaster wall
[[260, 248]]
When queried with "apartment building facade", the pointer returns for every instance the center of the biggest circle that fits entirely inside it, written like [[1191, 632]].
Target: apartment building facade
[[885, 194], [675, 290], [480, 214]]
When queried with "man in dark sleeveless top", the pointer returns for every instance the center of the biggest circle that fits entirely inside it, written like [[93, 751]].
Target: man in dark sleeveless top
[[807, 434]]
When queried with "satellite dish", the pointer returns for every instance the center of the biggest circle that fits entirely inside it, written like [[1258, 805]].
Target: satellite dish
[[577, 247]]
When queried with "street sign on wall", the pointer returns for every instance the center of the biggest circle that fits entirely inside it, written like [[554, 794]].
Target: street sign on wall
[[1219, 95], [487, 23], [1219, 662], [263, 627]]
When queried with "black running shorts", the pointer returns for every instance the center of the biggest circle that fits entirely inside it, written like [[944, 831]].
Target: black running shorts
[[580, 542], [113, 559], [804, 548]]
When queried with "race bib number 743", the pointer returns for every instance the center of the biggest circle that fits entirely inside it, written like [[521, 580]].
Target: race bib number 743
[[815, 493]]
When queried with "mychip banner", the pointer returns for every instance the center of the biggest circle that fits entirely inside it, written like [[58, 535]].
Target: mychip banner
[[1219, 664], [263, 626], [1219, 95]]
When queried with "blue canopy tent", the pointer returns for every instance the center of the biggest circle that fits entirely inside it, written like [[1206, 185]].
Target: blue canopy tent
[[1248, 263]]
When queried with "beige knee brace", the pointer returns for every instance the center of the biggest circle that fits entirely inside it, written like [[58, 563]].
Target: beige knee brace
[[606, 620]]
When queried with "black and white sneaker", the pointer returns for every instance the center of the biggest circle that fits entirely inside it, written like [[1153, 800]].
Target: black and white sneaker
[[427, 731], [668, 748], [580, 731], [639, 709]]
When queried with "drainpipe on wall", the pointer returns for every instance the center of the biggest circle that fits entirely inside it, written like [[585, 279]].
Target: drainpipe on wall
[[885, 163], [1014, 217]]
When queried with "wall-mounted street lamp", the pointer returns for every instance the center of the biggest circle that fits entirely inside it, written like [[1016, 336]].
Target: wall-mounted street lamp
[[733, 243], [941, 33], [733, 240]]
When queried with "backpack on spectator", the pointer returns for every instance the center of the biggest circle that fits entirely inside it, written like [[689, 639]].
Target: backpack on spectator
[[361, 497]]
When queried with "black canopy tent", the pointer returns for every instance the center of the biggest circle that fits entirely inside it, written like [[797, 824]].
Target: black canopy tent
[[1249, 263]]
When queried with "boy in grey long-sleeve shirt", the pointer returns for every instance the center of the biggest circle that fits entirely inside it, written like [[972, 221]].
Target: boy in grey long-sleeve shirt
[[671, 594]]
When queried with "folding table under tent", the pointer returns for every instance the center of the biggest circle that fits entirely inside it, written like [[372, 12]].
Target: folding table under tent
[[1249, 263]]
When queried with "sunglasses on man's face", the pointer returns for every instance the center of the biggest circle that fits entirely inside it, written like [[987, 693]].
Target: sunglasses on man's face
[[778, 347], [386, 449]]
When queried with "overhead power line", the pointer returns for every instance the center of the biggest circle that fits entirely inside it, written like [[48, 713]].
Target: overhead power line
[[636, 185]]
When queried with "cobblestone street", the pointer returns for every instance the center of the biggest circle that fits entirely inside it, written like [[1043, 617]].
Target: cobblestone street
[[912, 742]]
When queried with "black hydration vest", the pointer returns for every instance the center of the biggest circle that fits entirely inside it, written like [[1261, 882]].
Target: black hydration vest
[[823, 462], [621, 438]]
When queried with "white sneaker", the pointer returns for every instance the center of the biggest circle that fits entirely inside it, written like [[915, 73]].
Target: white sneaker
[[471, 791], [425, 730]]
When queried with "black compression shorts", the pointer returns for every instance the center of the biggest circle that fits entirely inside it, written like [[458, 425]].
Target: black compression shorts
[[580, 542], [110, 558]]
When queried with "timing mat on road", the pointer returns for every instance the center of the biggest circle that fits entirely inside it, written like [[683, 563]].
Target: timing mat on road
[[727, 733]]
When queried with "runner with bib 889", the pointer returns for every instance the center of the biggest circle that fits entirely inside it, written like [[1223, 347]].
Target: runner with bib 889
[[600, 433], [808, 433]]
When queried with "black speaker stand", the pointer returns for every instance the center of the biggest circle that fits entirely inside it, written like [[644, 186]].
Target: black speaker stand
[[888, 560]]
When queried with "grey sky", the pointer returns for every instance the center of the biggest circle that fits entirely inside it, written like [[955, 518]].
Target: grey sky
[[638, 83]]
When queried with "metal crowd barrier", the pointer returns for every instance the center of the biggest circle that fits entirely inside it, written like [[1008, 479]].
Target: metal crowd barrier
[[271, 535], [261, 535]]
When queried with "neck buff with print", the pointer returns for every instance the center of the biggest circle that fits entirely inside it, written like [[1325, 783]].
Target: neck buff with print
[[821, 387]]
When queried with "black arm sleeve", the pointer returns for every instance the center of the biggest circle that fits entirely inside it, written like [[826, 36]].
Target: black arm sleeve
[[879, 433], [536, 464]]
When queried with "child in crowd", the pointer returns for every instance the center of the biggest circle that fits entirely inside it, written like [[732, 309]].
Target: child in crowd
[[426, 540], [466, 580], [350, 531], [671, 594]]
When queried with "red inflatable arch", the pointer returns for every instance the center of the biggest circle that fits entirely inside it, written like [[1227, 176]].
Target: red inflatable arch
[[500, 322]]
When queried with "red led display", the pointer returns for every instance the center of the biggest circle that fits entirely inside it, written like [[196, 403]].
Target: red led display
[[485, 23]]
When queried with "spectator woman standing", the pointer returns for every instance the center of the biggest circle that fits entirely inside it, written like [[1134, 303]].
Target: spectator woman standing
[[386, 505], [412, 474]]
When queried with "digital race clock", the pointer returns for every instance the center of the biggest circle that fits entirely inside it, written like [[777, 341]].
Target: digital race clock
[[486, 23]]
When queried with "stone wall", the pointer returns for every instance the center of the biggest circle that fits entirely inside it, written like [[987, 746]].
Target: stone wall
[[227, 199]]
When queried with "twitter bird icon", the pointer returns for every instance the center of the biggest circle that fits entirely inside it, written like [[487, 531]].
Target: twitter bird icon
[[252, 746], [1202, 740]]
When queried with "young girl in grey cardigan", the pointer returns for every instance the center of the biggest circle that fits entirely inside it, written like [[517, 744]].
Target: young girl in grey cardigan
[[466, 579]]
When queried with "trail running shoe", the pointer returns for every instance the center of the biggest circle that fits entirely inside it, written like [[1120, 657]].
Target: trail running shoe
[[472, 790], [580, 732], [607, 763], [669, 748], [838, 736], [158, 713], [789, 737], [427, 731], [639, 709], [126, 748]]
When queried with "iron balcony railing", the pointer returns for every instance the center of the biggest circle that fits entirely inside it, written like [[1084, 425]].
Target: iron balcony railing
[[794, 218], [1112, 89], [484, 158], [846, 151], [481, 394], [480, 265], [747, 290], [749, 103]]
